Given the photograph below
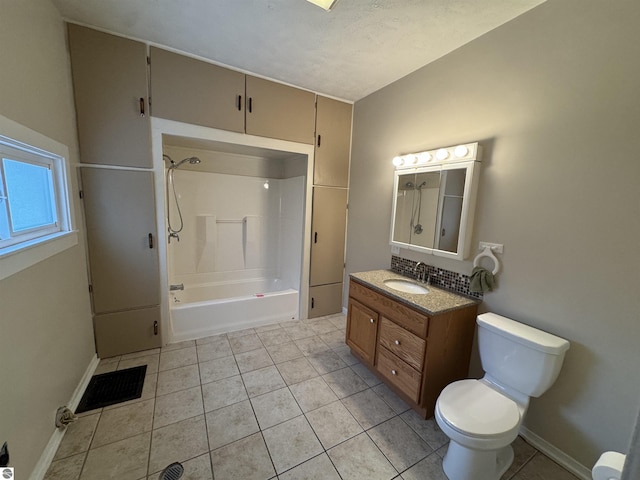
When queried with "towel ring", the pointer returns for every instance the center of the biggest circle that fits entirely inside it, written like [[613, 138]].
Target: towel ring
[[487, 252]]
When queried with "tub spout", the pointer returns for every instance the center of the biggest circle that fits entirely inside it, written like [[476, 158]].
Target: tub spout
[[180, 286]]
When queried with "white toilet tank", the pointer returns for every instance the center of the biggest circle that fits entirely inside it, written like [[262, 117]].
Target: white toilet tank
[[518, 356]]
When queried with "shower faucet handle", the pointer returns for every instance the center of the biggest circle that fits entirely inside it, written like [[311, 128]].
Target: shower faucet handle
[[173, 235]]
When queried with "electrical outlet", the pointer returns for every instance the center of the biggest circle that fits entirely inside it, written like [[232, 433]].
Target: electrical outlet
[[395, 250], [495, 247]]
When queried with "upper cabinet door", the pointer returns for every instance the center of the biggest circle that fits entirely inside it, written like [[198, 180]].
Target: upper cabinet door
[[111, 94], [333, 143], [191, 91], [278, 111]]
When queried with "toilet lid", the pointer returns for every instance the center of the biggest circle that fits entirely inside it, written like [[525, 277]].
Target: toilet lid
[[474, 409]]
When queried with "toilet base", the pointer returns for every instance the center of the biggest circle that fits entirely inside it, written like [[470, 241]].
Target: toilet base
[[462, 463]]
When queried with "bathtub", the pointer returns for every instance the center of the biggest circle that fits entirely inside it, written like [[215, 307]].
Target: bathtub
[[201, 310]]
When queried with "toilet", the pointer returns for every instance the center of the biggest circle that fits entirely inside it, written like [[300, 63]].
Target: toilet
[[482, 417]]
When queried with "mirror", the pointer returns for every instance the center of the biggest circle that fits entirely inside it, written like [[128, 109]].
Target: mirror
[[433, 208]]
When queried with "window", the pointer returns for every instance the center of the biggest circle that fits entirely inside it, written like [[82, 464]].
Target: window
[[35, 215], [28, 195]]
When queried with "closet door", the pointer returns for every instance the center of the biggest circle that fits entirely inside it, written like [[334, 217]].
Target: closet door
[[328, 227], [120, 217], [121, 228], [191, 91], [333, 143], [278, 111], [111, 95]]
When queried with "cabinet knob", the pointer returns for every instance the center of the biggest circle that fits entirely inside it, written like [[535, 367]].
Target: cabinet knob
[[372, 320], [393, 372], [397, 342]]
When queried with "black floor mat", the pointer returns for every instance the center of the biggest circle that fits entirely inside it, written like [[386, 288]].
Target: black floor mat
[[113, 387]]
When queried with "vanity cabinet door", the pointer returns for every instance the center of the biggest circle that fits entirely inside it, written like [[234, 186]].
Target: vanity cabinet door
[[278, 111], [333, 143], [362, 330], [192, 91], [111, 95]]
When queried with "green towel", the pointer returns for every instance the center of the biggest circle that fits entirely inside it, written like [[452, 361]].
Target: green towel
[[482, 280]]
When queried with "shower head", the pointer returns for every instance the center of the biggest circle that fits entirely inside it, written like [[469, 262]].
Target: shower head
[[191, 160]]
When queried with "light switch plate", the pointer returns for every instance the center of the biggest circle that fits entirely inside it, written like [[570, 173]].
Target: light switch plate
[[395, 249], [495, 247]]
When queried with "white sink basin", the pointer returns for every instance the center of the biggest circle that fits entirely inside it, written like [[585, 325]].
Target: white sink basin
[[406, 286]]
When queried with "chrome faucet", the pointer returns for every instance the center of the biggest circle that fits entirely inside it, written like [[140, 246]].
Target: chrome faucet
[[424, 277], [173, 235], [180, 286]]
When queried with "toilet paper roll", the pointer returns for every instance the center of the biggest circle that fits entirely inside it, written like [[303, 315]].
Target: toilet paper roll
[[609, 466]]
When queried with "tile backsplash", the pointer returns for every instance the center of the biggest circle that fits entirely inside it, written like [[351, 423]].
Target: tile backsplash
[[439, 277]]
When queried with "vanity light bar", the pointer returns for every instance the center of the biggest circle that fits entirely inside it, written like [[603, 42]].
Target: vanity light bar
[[456, 153]]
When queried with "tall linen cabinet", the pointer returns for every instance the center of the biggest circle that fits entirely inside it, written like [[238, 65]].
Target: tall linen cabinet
[[330, 196], [111, 95]]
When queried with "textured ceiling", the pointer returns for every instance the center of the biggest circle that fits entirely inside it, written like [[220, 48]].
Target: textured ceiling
[[355, 49]]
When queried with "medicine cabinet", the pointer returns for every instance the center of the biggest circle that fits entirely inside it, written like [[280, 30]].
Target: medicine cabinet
[[433, 205]]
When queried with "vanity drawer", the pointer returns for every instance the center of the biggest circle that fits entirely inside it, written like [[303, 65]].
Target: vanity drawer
[[398, 373], [408, 318], [401, 342]]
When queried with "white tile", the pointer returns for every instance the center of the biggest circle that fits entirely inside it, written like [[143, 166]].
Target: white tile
[[359, 459], [275, 407], [178, 406], [333, 424], [223, 392], [291, 443], [178, 442], [246, 459], [228, 424]]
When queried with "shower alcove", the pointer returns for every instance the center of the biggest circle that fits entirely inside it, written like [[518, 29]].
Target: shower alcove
[[242, 258]]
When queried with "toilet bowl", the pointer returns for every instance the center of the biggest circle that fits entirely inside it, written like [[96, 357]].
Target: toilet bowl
[[481, 424], [482, 417]]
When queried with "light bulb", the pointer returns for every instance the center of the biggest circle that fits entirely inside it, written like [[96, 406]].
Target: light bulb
[[410, 159], [442, 154], [460, 151], [398, 161], [424, 157], [266, 184]]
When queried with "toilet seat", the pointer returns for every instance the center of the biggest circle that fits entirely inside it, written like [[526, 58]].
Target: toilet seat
[[476, 410]]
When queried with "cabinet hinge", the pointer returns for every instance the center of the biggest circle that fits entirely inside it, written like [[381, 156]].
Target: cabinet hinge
[[81, 194], [90, 288]]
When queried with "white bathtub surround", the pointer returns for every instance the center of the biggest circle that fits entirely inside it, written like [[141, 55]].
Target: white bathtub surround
[[240, 253], [206, 240]]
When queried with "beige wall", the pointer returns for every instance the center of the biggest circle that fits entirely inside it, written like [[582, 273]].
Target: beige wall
[[553, 97], [46, 336]]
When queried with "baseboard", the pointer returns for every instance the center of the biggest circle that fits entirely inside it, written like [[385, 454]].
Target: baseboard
[[556, 454], [49, 452]]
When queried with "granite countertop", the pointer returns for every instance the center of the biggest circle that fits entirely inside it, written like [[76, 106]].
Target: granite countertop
[[435, 302]]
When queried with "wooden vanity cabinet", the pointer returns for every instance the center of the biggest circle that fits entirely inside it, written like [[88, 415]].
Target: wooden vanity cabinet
[[415, 354]]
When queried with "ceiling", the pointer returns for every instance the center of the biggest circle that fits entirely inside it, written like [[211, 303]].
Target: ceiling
[[355, 49]]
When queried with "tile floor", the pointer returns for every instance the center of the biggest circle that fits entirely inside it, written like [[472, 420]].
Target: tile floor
[[285, 401]]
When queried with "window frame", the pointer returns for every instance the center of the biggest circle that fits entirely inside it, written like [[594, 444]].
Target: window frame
[[26, 248]]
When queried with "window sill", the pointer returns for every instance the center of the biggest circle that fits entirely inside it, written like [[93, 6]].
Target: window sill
[[24, 255]]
